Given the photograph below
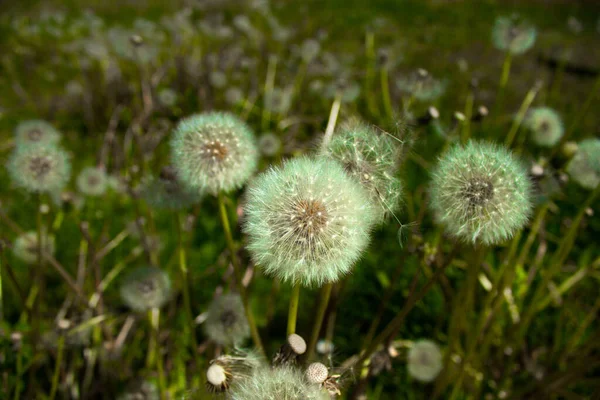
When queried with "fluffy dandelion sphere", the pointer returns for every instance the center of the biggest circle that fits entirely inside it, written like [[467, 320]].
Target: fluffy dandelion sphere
[[421, 85], [36, 131], [424, 360], [146, 288], [166, 191], [214, 152], [584, 167], [371, 159], [269, 144], [226, 322], [307, 221], [545, 126], [26, 246], [513, 35], [481, 193], [39, 167], [92, 181], [281, 383]]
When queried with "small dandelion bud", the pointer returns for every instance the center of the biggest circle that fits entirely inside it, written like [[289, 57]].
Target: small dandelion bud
[[325, 347], [545, 126], [584, 167], [167, 192], [26, 246], [145, 288], [167, 97], [269, 144], [276, 384], [431, 115], [481, 193], [226, 322], [371, 158], [36, 131], [307, 221], [424, 360], [482, 112], [214, 152], [316, 373], [92, 181], [39, 167], [513, 34], [294, 346]]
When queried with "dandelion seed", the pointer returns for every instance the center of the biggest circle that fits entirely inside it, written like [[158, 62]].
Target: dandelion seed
[[269, 144], [481, 193], [307, 221]]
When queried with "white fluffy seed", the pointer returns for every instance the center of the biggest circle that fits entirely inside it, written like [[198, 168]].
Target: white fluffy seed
[[215, 375]]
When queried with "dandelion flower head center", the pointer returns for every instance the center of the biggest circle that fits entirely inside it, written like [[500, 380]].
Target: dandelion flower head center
[[93, 180], [310, 216], [147, 286], [478, 191], [228, 318], [215, 151], [40, 166], [34, 135]]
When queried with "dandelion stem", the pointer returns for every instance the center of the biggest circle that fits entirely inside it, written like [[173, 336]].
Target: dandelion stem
[[322, 307], [293, 310], [466, 126], [268, 95], [57, 367], [156, 357], [502, 85], [521, 115], [370, 54], [333, 114], [385, 89], [189, 331], [238, 274]]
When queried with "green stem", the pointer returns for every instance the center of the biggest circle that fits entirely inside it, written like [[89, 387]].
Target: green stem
[[238, 274], [370, 54], [385, 89], [154, 315], [293, 310], [501, 87], [188, 331], [466, 126], [57, 367], [521, 115], [268, 95], [18, 374], [322, 307]]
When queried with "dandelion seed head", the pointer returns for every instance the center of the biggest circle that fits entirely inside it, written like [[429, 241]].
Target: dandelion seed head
[[424, 360], [584, 167], [481, 193], [512, 34], [307, 221], [226, 323], [281, 383], [39, 167], [36, 131], [92, 181], [26, 246], [371, 159], [545, 126], [145, 288], [166, 191], [214, 152]]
